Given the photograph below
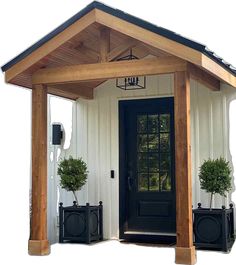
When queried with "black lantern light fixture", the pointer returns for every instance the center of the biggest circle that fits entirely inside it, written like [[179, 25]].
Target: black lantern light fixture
[[131, 83]]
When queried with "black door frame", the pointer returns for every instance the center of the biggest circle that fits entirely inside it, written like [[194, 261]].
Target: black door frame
[[123, 194]]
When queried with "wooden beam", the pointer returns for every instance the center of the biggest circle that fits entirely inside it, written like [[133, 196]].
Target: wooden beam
[[62, 93], [86, 72], [165, 44], [50, 46], [185, 251], [148, 37], [71, 91], [218, 71], [38, 243], [104, 44], [116, 52], [154, 51], [203, 77]]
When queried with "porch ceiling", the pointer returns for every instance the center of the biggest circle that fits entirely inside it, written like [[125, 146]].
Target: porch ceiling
[[84, 48], [101, 34]]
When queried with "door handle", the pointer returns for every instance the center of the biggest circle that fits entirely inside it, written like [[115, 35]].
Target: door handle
[[130, 183]]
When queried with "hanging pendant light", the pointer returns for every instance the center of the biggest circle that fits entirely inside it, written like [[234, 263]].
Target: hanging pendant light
[[130, 83]]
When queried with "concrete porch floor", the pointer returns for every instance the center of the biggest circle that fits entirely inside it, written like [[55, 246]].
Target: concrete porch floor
[[114, 252]]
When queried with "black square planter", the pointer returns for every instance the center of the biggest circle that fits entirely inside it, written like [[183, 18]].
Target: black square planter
[[213, 229], [82, 224]]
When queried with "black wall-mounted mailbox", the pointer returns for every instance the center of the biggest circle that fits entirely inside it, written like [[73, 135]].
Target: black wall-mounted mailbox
[[57, 134]]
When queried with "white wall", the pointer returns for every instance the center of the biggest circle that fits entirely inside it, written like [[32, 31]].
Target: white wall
[[95, 134], [209, 134]]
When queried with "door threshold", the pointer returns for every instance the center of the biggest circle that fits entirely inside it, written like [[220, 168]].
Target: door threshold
[[149, 233]]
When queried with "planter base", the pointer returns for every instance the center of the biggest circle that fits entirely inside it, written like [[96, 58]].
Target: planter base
[[38, 247], [81, 224], [214, 229], [185, 255]]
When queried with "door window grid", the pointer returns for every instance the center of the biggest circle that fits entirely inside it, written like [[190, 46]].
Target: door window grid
[[153, 152]]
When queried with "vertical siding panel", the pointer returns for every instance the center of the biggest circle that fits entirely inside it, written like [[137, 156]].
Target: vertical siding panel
[[164, 85], [225, 128], [217, 125], [96, 135], [217, 135], [193, 139], [83, 143], [192, 119], [210, 128], [92, 155], [211, 154], [197, 152], [114, 166], [104, 141], [109, 186], [52, 188], [171, 84], [85, 146], [203, 133], [151, 86]]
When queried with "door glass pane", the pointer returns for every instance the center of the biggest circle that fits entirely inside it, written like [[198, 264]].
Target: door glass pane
[[164, 162], [142, 142], [154, 182], [143, 182], [153, 123], [153, 152], [165, 142], [164, 122], [153, 162], [142, 123], [153, 142], [165, 181], [142, 162]]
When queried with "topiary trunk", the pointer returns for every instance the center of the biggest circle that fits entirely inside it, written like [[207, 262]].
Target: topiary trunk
[[211, 200], [76, 199]]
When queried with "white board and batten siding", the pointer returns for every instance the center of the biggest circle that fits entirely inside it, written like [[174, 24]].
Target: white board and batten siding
[[96, 138], [209, 134]]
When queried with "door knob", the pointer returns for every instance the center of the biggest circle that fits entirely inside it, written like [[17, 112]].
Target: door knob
[[130, 183]]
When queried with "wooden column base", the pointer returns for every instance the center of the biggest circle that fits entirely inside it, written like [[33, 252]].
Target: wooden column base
[[38, 247], [185, 255]]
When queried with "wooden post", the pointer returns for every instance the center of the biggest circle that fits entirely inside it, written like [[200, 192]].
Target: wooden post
[[185, 251], [38, 242]]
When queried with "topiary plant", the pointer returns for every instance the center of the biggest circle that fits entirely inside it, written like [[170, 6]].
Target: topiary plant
[[73, 173], [215, 177]]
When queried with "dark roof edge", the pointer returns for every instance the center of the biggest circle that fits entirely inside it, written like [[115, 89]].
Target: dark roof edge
[[129, 18]]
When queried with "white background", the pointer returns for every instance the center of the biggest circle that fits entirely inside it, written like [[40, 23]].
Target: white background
[[23, 22]]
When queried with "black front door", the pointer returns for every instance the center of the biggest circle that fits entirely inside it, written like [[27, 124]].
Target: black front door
[[147, 183]]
